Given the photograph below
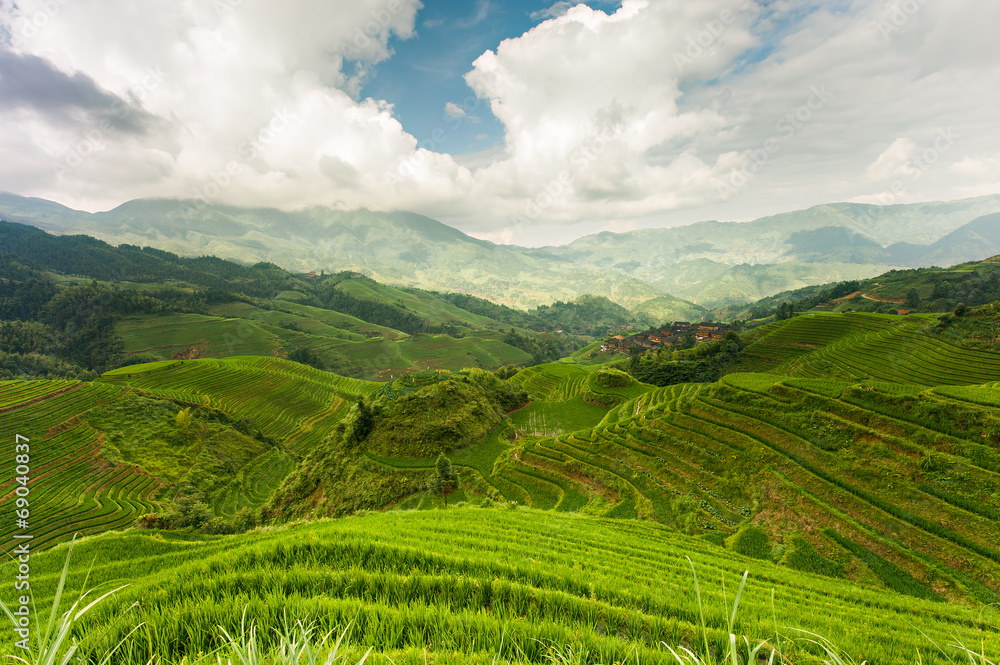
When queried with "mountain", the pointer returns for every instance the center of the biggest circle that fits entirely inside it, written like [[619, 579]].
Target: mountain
[[74, 306], [927, 289], [396, 247], [694, 262], [710, 263], [980, 238]]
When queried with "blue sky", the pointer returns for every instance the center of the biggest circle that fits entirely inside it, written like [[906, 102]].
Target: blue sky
[[427, 70], [609, 116]]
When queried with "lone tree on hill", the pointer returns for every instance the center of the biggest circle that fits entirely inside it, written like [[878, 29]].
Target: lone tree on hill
[[444, 479]]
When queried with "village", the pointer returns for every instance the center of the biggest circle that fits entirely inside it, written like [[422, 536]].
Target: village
[[681, 335]]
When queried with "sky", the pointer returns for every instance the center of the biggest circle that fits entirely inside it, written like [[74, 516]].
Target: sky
[[516, 121]]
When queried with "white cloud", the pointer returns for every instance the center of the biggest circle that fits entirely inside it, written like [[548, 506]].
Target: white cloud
[[632, 117], [894, 162], [256, 102], [979, 175], [453, 110]]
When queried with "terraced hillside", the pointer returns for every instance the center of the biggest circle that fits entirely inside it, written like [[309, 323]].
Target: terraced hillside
[[479, 585], [72, 487], [342, 343], [893, 484], [867, 346], [291, 402], [105, 453]]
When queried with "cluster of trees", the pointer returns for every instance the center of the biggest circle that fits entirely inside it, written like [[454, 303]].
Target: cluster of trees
[[192, 512], [68, 331], [587, 315], [979, 287], [704, 363], [787, 309], [543, 348]]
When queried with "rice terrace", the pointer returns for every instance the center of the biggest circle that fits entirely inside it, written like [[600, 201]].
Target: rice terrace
[[848, 461], [520, 332]]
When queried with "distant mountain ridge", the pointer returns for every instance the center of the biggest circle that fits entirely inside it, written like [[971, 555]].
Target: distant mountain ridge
[[712, 264]]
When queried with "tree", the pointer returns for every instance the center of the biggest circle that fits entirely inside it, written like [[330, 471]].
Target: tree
[[183, 419], [359, 423], [912, 299], [444, 479]]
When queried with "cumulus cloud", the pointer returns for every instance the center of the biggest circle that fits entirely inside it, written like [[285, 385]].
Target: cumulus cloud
[[979, 175], [894, 162], [659, 112], [239, 101]]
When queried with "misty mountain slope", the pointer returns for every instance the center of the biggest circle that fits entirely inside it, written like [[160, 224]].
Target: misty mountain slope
[[979, 239], [838, 232], [396, 247], [824, 243]]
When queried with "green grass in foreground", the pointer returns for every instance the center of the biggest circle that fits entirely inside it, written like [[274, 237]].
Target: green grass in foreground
[[483, 585]]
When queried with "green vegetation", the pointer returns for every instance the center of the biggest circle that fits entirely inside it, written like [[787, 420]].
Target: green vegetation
[[612, 378], [938, 290], [471, 585], [752, 541], [78, 307], [853, 457], [442, 416], [704, 363], [801, 555]]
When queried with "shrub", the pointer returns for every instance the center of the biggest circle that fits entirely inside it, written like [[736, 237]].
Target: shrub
[[752, 541], [801, 555], [612, 378], [219, 526]]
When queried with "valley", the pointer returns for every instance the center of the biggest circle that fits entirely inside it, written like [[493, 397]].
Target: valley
[[269, 441]]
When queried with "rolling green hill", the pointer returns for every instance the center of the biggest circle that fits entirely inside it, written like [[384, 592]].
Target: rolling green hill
[[931, 290], [475, 585], [78, 306], [862, 426], [850, 460], [710, 263]]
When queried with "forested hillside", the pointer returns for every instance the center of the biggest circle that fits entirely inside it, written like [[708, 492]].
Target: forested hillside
[[74, 307]]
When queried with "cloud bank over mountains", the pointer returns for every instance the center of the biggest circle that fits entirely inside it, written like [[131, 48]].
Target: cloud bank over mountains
[[651, 113]]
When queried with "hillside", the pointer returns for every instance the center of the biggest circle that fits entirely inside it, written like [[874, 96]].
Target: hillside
[[693, 262], [475, 585], [128, 304], [929, 290], [850, 460], [398, 248], [860, 421], [713, 457]]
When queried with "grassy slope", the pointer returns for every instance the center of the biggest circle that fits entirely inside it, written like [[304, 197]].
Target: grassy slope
[[879, 462], [288, 401], [466, 585], [347, 345], [891, 472], [104, 453]]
